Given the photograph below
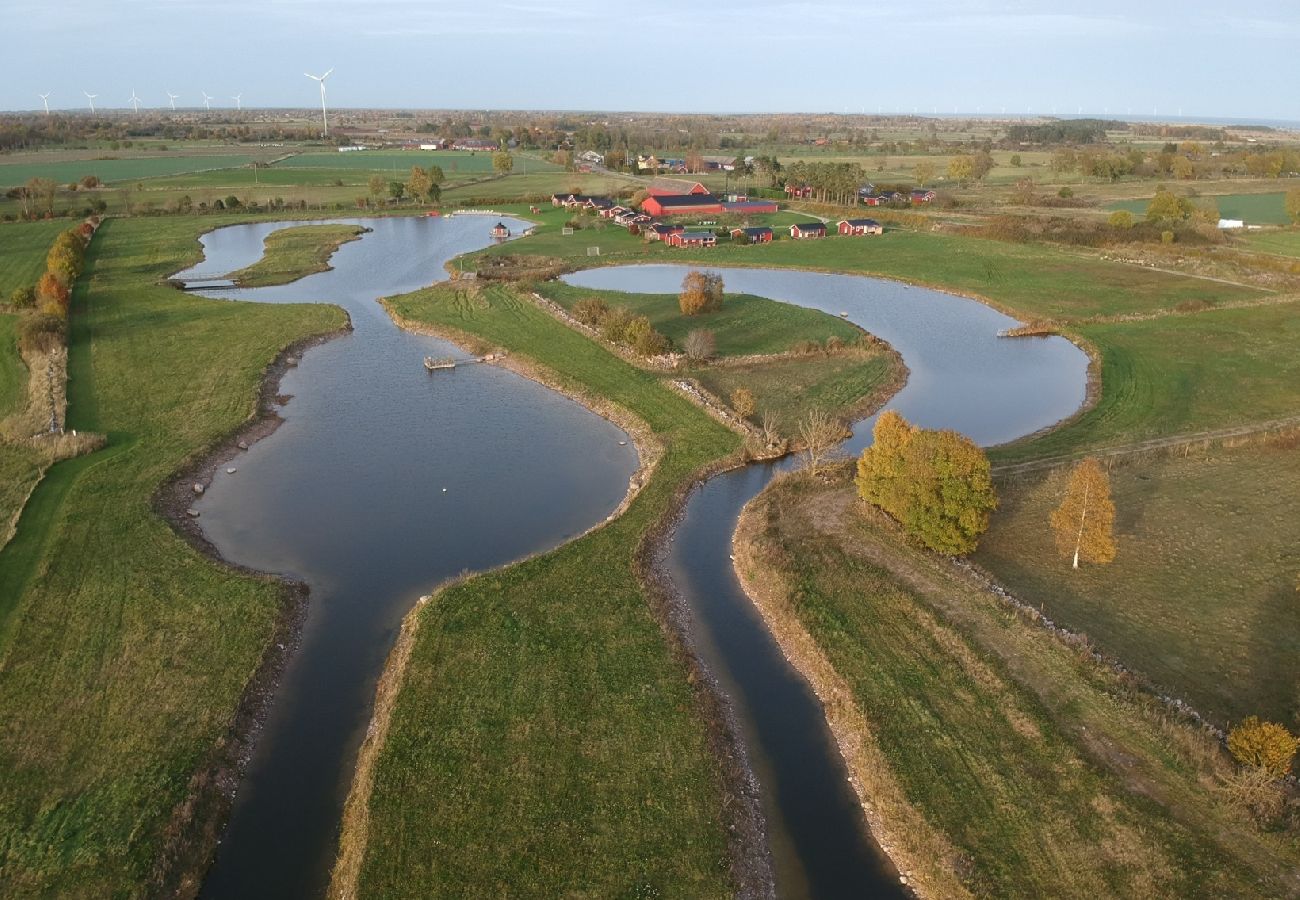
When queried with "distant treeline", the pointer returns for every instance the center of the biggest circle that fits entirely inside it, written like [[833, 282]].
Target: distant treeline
[[1065, 131]]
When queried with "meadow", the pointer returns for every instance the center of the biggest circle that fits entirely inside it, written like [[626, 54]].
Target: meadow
[[452, 162], [997, 756], [1253, 209], [124, 650], [22, 252], [129, 168], [1283, 243]]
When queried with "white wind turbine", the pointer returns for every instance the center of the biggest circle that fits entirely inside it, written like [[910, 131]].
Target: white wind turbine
[[134, 101], [325, 125], [235, 97], [207, 101], [91, 97], [171, 98], [45, 98]]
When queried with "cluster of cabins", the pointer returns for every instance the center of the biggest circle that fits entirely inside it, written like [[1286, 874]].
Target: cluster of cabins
[[670, 197], [868, 195]]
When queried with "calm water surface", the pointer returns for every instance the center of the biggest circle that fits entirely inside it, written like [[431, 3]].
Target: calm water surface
[[963, 376], [382, 481]]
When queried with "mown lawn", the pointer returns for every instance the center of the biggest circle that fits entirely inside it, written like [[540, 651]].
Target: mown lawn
[[292, 253], [1180, 374], [745, 324], [1048, 775], [545, 741], [123, 651], [1283, 243], [23, 246], [1202, 593]]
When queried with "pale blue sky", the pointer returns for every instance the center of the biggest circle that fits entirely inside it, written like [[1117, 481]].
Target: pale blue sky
[[711, 55]]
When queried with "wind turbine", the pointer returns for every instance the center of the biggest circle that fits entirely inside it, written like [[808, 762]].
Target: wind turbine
[[235, 97], [45, 98], [207, 101], [91, 97], [134, 101], [171, 98], [325, 125]]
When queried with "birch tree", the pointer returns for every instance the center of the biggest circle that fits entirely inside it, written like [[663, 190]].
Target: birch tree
[[1084, 523]]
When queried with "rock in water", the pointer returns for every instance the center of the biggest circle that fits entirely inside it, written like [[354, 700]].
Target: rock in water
[[198, 488]]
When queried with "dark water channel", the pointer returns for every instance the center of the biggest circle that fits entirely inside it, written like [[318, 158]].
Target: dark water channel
[[962, 376], [382, 481]]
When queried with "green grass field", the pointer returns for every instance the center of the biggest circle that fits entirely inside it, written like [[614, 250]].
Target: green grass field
[[453, 162], [292, 253], [23, 246], [745, 325], [127, 168], [549, 672], [1283, 243], [124, 652], [1180, 374], [1202, 590], [1046, 773], [1254, 209], [13, 374]]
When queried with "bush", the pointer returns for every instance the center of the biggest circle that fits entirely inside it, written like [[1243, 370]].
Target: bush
[[591, 311], [40, 333], [1065, 193], [642, 338], [699, 345], [1121, 219], [1263, 745], [23, 297], [613, 327], [742, 401], [1166, 237]]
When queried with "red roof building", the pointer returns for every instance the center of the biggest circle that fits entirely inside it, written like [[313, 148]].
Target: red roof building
[[803, 230], [666, 187], [681, 205], [692, 239], [860, 226]]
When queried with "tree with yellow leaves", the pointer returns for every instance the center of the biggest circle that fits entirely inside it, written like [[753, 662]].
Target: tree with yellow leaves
[[1084, 523], [1263, 745]]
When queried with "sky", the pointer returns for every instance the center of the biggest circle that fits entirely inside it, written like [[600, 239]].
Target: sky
[[974, 56]]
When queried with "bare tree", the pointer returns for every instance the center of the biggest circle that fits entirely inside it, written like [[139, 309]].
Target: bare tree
[[819, 434], [699, 345], [771, 429]]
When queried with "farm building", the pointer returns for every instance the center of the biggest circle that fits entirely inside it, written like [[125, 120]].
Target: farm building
[[798, 191], [661, 232], [750, 207], [681, 204], [671, 187], [599, 204], [758, 235], [922, 196], [692, 239], [802, 230], [860, 226]]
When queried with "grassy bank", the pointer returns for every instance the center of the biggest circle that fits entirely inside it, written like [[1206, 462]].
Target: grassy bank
[[1047, 774], [293, 253], [1202, 591], [25, 245], [123, 651], [545, 741]]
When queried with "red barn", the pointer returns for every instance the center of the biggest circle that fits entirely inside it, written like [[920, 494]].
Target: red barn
[[681, 205], [668, 187]]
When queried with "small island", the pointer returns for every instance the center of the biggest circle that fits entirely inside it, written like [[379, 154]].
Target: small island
[[293, 253]]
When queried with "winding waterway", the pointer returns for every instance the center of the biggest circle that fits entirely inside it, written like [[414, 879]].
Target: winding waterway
[[962, 376], [382, 481]]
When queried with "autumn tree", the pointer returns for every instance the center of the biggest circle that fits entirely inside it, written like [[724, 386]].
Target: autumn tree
[[742, 401], [377, 184], [701, 292], [42, 191], [937, 484], [502, 162], [1084, 523], [1121, 219], [418, 184], [1293, 204], [52, 295], [961, 168], [1263, 745], [924, 171]]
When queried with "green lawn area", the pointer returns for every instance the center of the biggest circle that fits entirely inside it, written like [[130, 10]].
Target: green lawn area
[[1180, 374], [1254, 209], [23, 246], [545, 741], [1047, 774], [20, 468], [1201, 596], [1033, 280], [745, 325], [123, 651], [292, 253], [1283, 243], [13, 374], [127, 168], [453, 162]]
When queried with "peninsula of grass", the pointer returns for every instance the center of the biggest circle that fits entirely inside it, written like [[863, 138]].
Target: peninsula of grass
[[545, 741], [1202, 590], [293, 253], [998, 757], [124, 652]]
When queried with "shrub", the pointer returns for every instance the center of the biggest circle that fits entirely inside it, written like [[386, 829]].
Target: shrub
[[23, 297], [644, 339], [1263, 745], [40, 333], [591, 311], [1065, 193], [613, 327], [1166, 237], [742, 401], [699, 345], [1121, 219], [52, 294]]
